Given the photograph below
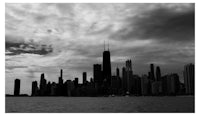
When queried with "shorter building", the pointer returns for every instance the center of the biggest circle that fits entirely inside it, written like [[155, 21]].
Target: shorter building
[[144, 85], [17, 87], [84, 77], [53, 89], [188, 74], [170, 84], [70, 87], [156, 88], [115, 84], [98, 75], [35, 89]]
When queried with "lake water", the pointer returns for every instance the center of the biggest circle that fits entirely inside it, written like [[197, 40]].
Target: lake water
[[99, 104]]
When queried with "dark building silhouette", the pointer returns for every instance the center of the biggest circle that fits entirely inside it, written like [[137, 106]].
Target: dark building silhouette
[[65, 89], [117, 72], [173, 84], [158, 73], [144, 85], [91, 80], [129, 65], [17, 87], [76, 82], [48, 89], [104, 84], [176, 82], [97, 74], [60, 80], [188, 74], [42, 85], [164, 85], [170, 84], [149, 75], [119, 78], [53, 89], [115, 84], [59, 87], [156, 87], [124, 80], [61, 73], [34, 88], [129, 74], [84, 77], [70, 87], [107, 67], [182, 89], [152, 76], [135, 85]]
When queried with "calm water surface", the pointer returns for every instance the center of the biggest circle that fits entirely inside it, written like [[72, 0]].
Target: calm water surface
[[99, 104]]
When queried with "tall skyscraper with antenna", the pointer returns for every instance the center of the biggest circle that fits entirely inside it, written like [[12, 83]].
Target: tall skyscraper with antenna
[[106, 65]]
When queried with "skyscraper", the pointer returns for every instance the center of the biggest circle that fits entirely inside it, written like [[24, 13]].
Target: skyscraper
[[158, 73], [60, 84], [48, 89], [60, 80], [156, 88], [61, 73], [135, 85], [124, 79], [144, 85], [115, 84], [97, 74], [42, 85], [188, 74], [53, 89], [76, 82], [107, 67], [128, 65], [149, 75], [34, 88], [173, 84], [152, 76], [117, 72], [70, 87], [84, 77], [17, 87], [129, 74]]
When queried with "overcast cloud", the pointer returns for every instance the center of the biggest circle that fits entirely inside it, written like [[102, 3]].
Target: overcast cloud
[[43, 38]]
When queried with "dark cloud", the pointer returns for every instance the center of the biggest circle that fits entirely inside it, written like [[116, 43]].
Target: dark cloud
[[14, 67], [163, 24], [17, 45], [19, 48]]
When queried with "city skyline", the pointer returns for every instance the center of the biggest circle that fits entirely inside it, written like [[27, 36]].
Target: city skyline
[[44, 38], [103, 83]]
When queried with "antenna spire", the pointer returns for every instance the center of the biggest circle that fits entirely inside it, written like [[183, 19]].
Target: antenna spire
[[108, 45], [104, 45]]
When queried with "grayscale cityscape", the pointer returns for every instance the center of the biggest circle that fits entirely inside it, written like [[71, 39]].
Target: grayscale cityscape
[[114, 57]]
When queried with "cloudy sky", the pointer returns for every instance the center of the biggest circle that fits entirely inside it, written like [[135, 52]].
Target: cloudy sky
[[43, 38]]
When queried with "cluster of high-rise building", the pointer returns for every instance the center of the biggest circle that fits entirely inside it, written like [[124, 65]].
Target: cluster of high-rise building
[[104, 84]]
